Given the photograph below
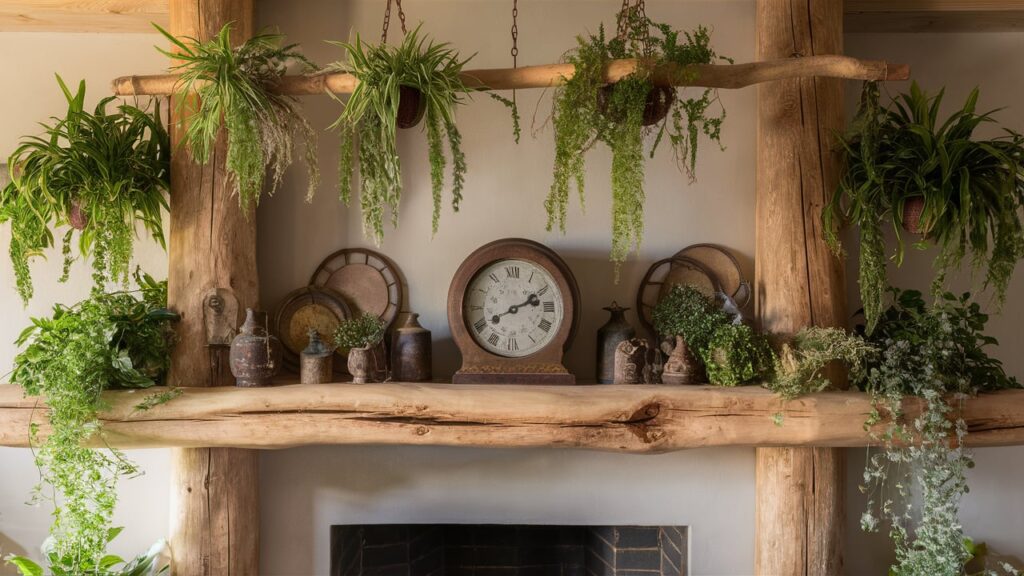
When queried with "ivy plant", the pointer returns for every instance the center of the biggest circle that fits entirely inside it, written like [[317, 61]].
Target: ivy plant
[[221, 85], [586, 110], [98, 173], [426, 70], [972, 190], [119, 340]]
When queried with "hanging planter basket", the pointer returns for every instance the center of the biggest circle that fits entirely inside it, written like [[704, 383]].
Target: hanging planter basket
[[411, 107], [77, 216], [659, 102], [912, 210]]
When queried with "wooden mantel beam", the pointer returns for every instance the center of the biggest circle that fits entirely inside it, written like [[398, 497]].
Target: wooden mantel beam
[[82, 15], [640, 419], [934, 15]]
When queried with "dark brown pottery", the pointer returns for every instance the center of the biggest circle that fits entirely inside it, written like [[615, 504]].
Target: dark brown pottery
[[77, 216], [616, 330], [411, 106], [411, 355], [634, 362], [912, 210], [682, 367], [367, 364], [255, 356], [316, 361], [659, 102]]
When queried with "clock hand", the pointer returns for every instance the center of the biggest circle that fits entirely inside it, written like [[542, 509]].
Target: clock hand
[[531, 300]]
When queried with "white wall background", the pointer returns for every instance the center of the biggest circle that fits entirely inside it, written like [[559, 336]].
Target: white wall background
[[304, 491]]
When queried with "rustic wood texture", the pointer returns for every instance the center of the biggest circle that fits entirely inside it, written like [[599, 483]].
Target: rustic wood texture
[[798, 283], [934, 15], [548, 75], [82, 15], [636, 418], [215, 504]]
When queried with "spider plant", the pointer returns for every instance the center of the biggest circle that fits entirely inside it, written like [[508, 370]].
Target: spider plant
[[385, 73], [234, 88], [587, 110], [972, 190], [98, 173]]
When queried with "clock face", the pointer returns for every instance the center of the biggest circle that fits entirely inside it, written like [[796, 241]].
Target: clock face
[[513, 308]]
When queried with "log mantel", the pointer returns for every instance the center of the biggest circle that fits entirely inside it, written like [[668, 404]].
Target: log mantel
[[640, 419]]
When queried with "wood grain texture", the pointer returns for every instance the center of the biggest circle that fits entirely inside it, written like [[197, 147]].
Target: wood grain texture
[[798, 282], [640, 419], [934, 15], [215, 503], [82, 15], [548, 75]]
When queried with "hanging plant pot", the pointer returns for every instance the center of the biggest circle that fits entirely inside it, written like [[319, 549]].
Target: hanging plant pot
[[912, 210], [411, 106], [659, 102], [77, 216]]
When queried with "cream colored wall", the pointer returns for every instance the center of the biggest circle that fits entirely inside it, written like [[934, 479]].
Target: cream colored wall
[[31, 96], [306, 490]]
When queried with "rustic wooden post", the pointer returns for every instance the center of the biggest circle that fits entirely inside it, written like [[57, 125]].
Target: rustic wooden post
[[800, 516], [215, 505]]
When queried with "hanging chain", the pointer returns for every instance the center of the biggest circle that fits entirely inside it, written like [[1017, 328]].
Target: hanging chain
[[624, 20], [387, 20], [515, 40]]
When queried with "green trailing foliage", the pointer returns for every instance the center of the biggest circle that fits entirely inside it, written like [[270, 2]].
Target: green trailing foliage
[[363, 331], [119, 340], [101, 172], [732, 353], [371, 113], [233, 85], [799, 367], [148, 564], [587, 111], [973, 190]]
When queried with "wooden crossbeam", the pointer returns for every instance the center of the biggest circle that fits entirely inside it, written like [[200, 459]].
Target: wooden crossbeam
[[934, 15], [82, 15]]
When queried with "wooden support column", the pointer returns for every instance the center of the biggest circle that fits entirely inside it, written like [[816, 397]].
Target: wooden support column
[[215, 504], [800, 516]]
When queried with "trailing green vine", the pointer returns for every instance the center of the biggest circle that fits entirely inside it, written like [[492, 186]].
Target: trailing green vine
[[98, 172], [233, 88], [972, 190], [587, 111], [108, 341]]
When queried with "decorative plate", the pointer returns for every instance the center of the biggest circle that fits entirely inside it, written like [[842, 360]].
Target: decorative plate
[[663, 275], [368, 281], [723, 265], [306, 308]]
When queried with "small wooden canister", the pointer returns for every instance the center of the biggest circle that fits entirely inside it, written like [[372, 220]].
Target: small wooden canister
[[316, 362], [411, 352]]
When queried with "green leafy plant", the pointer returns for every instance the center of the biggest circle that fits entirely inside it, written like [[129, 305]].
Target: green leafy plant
[[222, 85], [972, 190], [588, 111], [109, 565], [119, 340], [418, 67], [799, 367], [935, 353], [732, 353], [363, 331], [99, 172]]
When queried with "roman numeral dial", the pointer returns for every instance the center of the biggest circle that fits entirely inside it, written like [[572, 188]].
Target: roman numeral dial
[[513, 308]]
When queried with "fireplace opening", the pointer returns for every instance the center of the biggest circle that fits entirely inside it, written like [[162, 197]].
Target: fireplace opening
[[507, 550]]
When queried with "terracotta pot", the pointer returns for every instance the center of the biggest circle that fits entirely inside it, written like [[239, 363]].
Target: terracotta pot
[[367, 364], [659, 102], [912, 210], [411, 106], [682, 366], [77, 216], [255, 356]]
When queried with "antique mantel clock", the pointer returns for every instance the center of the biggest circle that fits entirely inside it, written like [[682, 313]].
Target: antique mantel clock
[[513, 307]]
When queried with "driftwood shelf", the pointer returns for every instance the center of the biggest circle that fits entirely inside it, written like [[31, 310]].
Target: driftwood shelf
[[548, 75], [642, 419]]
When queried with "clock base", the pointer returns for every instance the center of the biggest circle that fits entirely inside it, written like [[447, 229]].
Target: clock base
[[543, 378]]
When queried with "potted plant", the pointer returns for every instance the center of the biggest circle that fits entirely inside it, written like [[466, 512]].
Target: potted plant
[[234, 86], [119, 340], [730, 352], [398, 86], [909, 169], [587, 110], [155, 562], [99, 173], [363, 337]]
